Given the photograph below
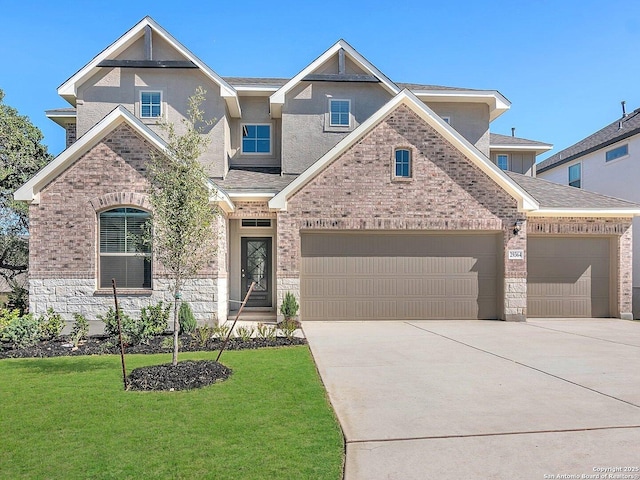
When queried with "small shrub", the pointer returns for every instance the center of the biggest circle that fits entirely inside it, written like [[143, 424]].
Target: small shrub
[[289, 307], [266, 331], [288, 328], [186, 319], [154, 319], [18, 298], [202, 334], [22, 331], [51, 325], [7, 316], [80, 329], [130, 327], [221, 331], [167, 343], [244, 332]]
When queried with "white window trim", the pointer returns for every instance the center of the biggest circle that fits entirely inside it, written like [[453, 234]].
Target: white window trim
[[253, 154], [340, 125], [162, 107], [498, 160], [613, 160], [581, 175]]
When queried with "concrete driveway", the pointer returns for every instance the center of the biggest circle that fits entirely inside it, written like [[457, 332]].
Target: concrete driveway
[[483, 399]]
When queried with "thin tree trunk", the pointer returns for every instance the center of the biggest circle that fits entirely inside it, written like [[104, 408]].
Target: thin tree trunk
[[176, 326]]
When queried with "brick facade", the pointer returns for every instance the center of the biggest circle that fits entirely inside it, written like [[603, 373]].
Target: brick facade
[[446, 192], [63, 245]]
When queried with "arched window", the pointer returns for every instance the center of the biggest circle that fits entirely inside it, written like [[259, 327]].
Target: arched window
[[403, 163], [121, 255]]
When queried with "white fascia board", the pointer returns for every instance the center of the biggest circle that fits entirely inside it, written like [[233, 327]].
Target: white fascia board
[[255, 91], [525, 201], [538, 149], [62, 119], [585, 212], [252, 196], [278, 98], [68, 90], [498, 103], [221, 198], [30, 190]]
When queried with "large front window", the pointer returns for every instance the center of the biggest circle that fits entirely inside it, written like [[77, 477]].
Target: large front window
[[256, 139], [121, 254]]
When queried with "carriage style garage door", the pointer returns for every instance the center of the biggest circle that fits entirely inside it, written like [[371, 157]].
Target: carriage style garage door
[[382, 276], [568, 277]]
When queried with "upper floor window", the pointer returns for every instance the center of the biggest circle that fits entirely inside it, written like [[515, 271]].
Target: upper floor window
[[121, 255], [447, 119], [575, 175], [256, 139], [339, 113], [403, 163], [618, 152], [150, 104], [503, 162]]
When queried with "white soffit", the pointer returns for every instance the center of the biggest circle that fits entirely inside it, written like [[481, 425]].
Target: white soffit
[[498, 103], [525, 201]]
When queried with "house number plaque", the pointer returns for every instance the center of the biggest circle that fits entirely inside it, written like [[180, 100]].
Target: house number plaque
[[516, 254]]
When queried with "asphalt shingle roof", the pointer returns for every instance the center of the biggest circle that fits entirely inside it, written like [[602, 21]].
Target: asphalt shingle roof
[[554, 195], [614, 132], [256, 179], [498, 139]]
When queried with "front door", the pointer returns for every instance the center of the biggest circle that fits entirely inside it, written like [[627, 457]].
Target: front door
[[256, 267]]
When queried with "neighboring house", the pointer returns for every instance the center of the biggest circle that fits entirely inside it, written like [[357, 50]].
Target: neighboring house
[[607, 163], [366, 198]]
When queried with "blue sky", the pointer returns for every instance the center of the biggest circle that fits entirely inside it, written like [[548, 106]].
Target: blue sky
[[564, 65]]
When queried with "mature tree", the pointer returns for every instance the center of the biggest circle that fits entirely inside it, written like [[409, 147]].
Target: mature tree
[[182, 228], [21, 155]]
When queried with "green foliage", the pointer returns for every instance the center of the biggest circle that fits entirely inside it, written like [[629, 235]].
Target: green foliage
[[154, 319], [221, 331], [51, 325], [186, 319], [167, 343], [19, 295], [267, 332], [22, 154], [289, 307], [245, 332], [202, 334], [182, 236], [80, 329], [288, 328], [7, 316], [22, 331]]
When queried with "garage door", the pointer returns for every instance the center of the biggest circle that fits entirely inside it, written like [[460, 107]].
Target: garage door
[[354, 276], [568, 277]]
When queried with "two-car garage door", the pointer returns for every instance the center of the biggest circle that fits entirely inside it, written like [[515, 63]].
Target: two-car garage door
[[356, 276]]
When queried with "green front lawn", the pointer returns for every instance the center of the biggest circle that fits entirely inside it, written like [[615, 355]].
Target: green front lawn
[[70, 418]]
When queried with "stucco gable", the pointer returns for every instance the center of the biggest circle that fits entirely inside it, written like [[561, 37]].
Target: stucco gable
[[427, 117], [130, 46]]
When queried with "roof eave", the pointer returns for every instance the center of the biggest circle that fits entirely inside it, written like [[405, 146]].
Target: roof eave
[[498, 103], [584, 212], [538, 149]]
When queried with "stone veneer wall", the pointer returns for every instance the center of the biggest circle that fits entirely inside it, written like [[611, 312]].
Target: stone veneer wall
[[64, 239], [446, 192], [618, 228]]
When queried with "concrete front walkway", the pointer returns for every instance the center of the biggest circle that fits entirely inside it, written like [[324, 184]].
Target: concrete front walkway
[[483, 399]]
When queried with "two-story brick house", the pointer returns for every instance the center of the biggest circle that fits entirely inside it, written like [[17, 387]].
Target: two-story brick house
[[367, 198]]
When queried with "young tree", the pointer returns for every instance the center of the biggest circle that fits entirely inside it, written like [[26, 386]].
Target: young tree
[[21, 155], [182, 229]]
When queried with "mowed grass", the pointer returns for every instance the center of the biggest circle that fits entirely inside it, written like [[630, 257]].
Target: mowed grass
[[66, 418]]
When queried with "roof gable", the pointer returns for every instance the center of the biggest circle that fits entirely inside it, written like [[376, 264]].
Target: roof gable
[[68, 90], [507, 143], [318, 68], [525, 201], [30, 191]]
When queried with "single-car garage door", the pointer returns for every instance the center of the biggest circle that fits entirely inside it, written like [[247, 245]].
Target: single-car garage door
[[356, 276], [568, 277]]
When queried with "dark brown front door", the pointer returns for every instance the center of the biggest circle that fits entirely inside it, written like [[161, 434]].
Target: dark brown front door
[[256, 267]]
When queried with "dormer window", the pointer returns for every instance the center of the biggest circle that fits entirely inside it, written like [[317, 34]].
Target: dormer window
[[150, 104], [503, 162], [339, 113]]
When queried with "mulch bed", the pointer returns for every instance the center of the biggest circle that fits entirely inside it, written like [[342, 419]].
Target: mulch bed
[[184, 376]]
